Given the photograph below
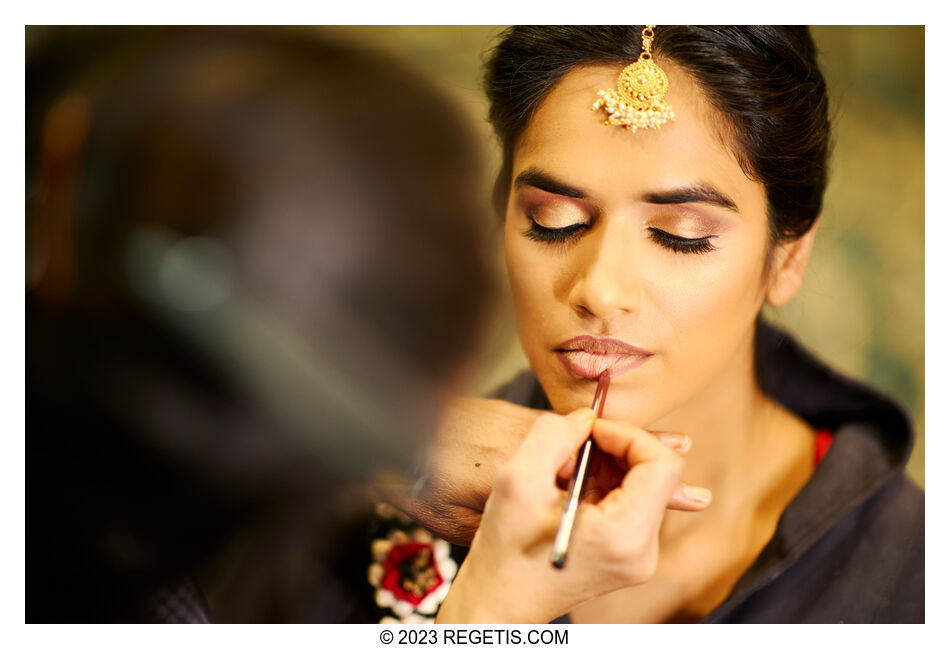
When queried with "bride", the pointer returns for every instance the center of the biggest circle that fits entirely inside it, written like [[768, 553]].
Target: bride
[[644, 239]]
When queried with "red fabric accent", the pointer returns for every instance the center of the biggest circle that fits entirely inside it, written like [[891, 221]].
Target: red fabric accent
[[392, 579], [823, 439]]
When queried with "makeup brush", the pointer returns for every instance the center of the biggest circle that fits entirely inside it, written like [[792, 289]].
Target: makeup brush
[[563, 538]]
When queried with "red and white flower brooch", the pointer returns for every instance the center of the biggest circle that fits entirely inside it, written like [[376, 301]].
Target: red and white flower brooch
[[411, 571]]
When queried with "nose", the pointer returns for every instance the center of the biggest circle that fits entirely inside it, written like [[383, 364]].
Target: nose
[[606, 284]]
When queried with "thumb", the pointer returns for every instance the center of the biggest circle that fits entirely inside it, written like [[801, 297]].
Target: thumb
[[552, 441]]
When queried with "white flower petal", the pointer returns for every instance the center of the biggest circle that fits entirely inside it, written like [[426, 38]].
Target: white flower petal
[[384, 598], [402, 608], [447, 568], [398, 537], [380, 548], [429, 605], [413, 618], [375, 574], [442, 591], [441, 549]]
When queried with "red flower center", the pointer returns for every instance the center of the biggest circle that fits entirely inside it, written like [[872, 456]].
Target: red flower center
[[410, 572]]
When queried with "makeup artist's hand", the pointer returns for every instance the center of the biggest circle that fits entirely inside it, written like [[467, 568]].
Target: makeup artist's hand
[[508, 576], [476, 437]]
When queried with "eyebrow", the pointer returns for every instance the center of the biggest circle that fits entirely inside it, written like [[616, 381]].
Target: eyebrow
[[534, 177], [699, 193]]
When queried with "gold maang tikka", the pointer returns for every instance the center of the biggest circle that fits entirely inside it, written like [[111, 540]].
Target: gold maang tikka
[[638, 100]]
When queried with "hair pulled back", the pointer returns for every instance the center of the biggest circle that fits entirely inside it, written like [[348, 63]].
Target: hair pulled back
[[764, 80]]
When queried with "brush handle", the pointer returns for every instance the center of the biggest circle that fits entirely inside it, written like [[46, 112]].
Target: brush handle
[[563, 538]]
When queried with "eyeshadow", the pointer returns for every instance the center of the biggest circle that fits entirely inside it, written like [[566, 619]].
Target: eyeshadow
[[685, 222]]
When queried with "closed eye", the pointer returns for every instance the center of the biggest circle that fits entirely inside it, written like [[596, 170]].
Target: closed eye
[[672, 242], [554, 235]]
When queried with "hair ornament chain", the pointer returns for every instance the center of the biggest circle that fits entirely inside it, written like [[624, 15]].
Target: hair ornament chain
[[638, 100]]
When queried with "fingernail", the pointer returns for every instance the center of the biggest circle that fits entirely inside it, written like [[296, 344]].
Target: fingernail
[[699, 494], [677, 441]]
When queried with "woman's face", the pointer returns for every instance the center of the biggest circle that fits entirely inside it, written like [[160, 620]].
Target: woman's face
[[639, 253]]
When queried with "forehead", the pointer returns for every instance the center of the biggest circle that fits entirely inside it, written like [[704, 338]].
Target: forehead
[[566, 138]]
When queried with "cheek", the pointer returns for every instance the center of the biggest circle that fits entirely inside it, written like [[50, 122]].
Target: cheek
[[533, 275], [528, 277], [707, 308]]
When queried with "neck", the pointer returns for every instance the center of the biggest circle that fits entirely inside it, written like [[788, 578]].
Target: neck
[[755, 456], [738, 433]]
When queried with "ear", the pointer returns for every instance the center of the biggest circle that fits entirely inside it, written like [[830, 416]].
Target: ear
[[789, 263]]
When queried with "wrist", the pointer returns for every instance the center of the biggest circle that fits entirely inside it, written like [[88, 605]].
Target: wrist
[[471, 602], [480, 596]]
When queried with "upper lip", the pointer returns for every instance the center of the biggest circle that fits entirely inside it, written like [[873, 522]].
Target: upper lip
[[600, 346]]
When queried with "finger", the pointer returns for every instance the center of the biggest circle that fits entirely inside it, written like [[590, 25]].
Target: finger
[[550, 443], [627, 442], [607, 476], [685, 498], [655, 470], [679, 442], [689, 498], [566, 472]]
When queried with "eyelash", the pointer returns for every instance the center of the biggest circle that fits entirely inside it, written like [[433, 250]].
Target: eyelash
[[554, 235], [669, 241], [699, 246]]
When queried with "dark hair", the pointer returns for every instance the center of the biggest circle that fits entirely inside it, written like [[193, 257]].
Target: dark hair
[[764, 80]]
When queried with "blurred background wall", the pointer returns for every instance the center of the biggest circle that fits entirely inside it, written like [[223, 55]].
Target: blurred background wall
[[862, 306]]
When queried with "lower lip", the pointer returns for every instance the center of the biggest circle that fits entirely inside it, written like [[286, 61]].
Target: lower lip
[[590, 366]]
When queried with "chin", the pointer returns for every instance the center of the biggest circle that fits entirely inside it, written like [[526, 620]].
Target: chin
[[566, 396], [624, 403]]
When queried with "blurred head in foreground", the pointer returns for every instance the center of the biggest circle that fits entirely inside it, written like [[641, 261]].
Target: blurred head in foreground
[[254, 267]]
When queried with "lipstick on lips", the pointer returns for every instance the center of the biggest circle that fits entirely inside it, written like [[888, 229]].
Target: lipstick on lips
[[590, 357]]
